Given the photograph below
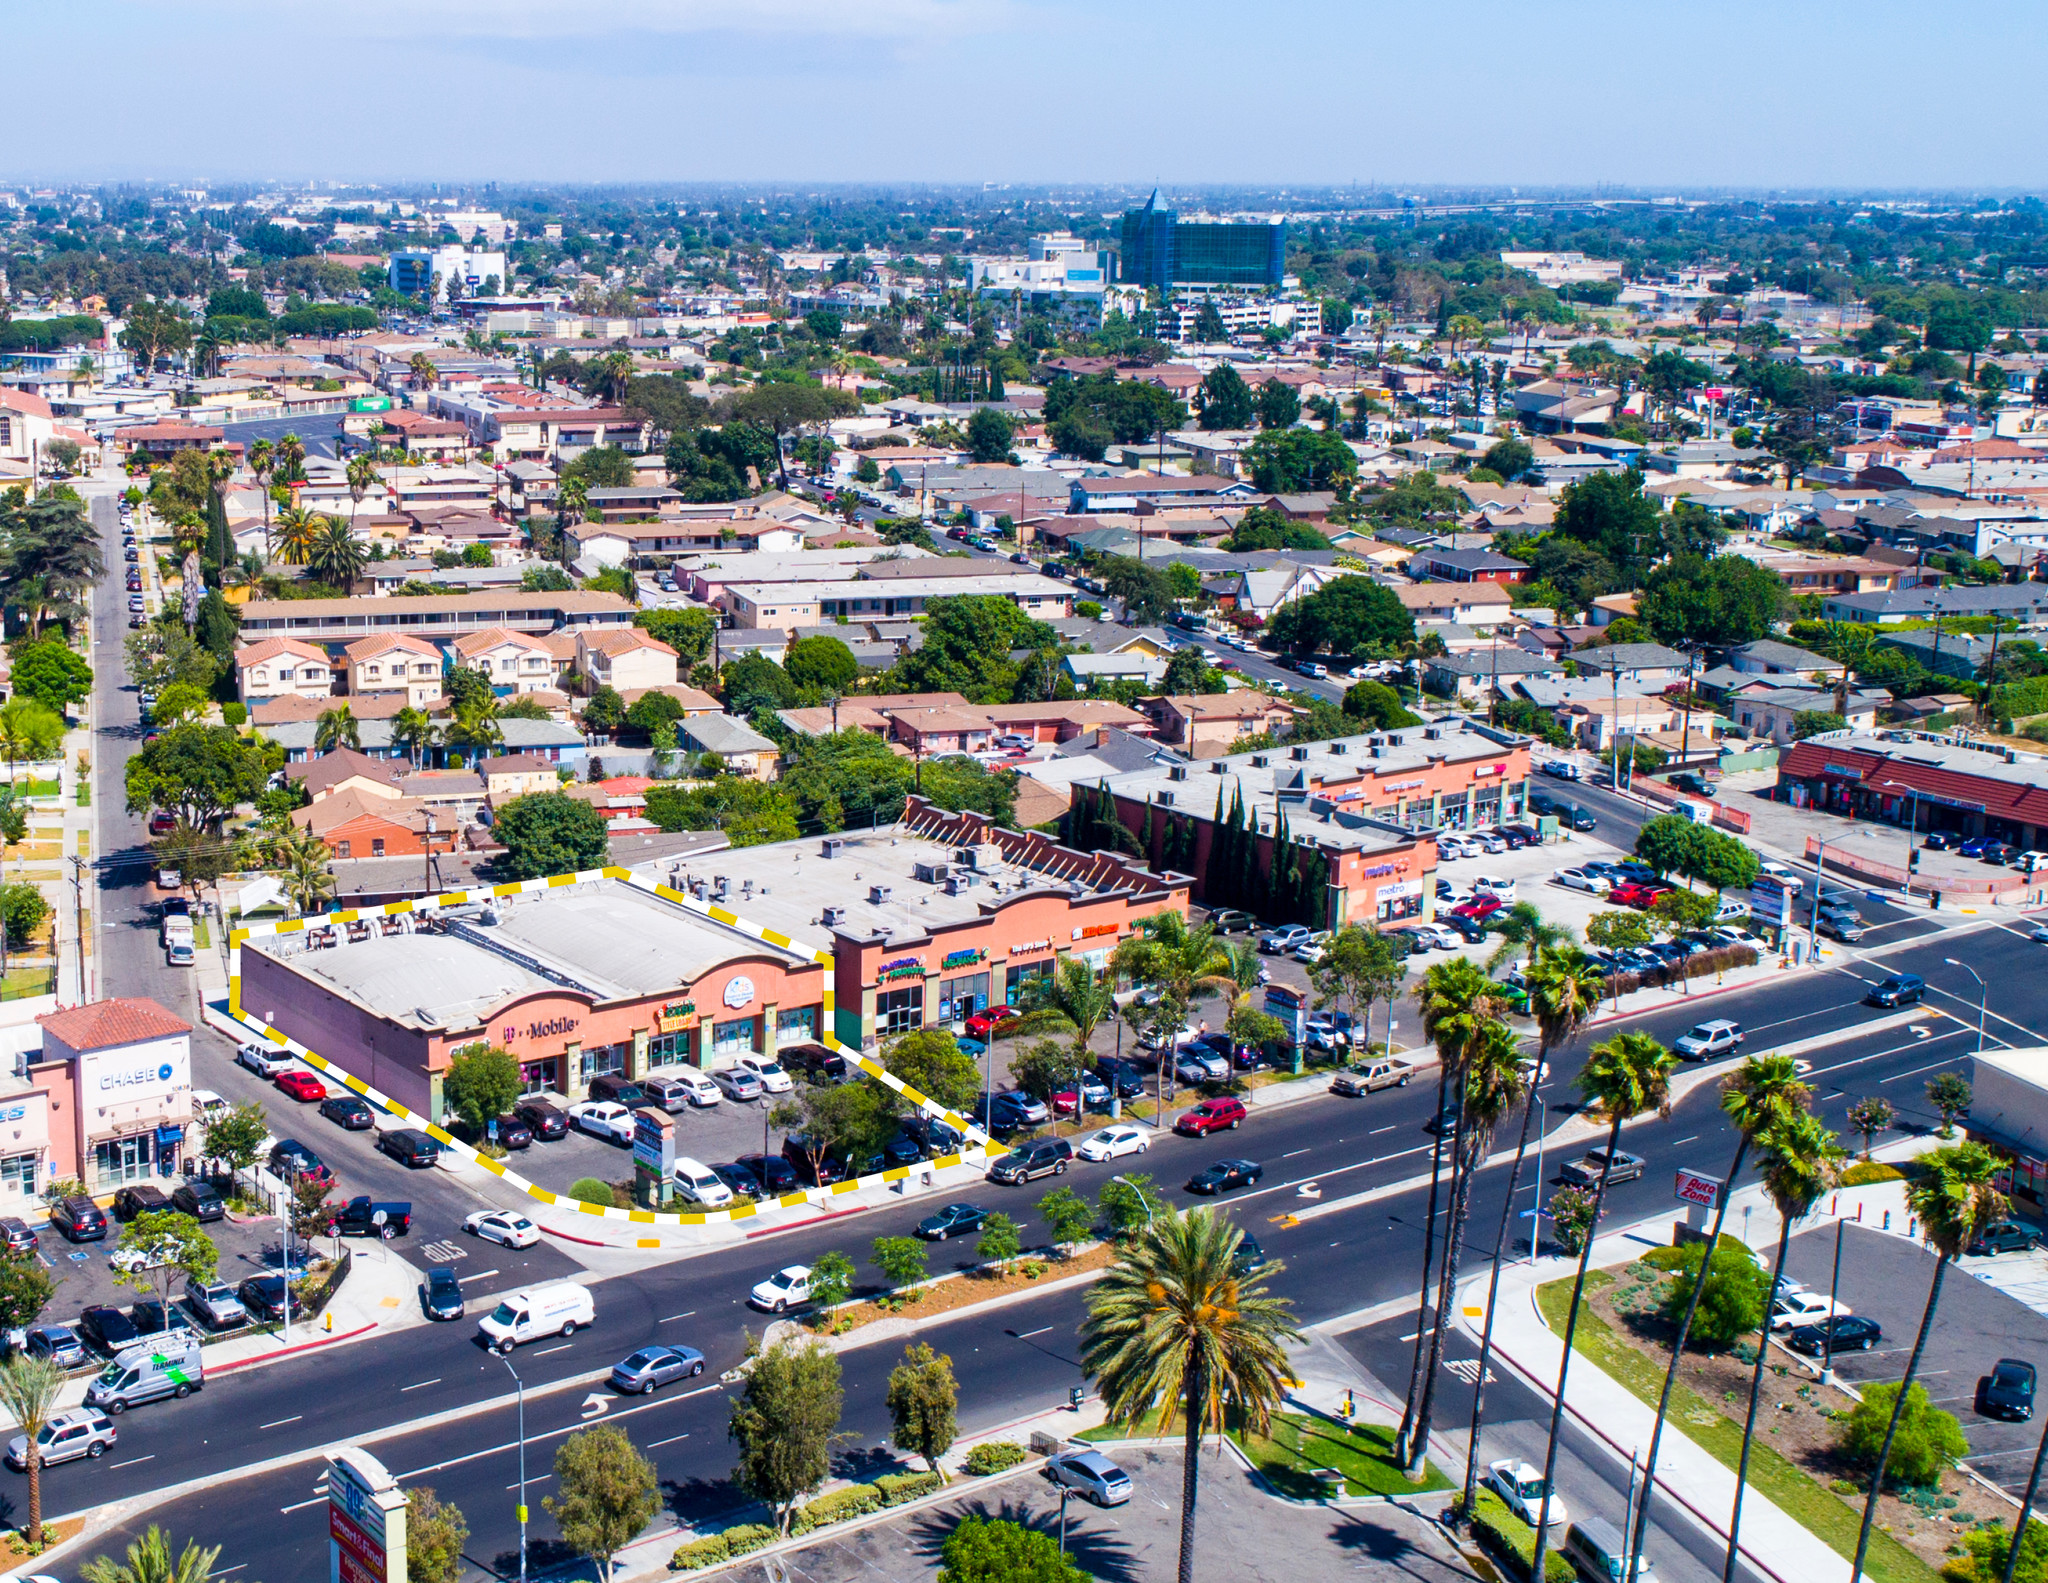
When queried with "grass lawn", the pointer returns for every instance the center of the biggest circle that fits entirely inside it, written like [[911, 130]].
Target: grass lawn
[[1363, 1453], [200, 935], [23, 982], [38, 788], [1826, 1515]]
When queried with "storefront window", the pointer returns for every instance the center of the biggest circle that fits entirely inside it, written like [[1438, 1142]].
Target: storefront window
[[1017, 977], [1486, 806], [604, 1060], [119, 1161], [541, 1077], [900, 1010], [1400, 899], [732, 1038], [2026, 1179], [668, 1049], [962, 997], [796, 1027], [18, 1176]]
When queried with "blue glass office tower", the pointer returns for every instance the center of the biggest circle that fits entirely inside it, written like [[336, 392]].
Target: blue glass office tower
[[1160, 249]]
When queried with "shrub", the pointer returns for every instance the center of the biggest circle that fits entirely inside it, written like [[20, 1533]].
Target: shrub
[[1731, 1302], [1510, 1536], [1571, 1217], [993, 1456], [705, 1552], [235, 713], [896, 1488], [1087, 609], [1865, 1172], [1929, 1440], [589, 1190], [856, 1500], [748, 1537]]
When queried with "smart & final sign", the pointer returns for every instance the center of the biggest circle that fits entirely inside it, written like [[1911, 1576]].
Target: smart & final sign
[[1702, 1192]]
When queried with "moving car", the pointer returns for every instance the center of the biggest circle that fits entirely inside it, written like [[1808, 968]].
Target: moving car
[[955, 1220], [1113, 1142], [348, 1113], [1225, 1175], [502, 1226], [1364, 1077], [605, 1118], [1219, 1114], [443, 1296], [148, 1371], [1900, 989], [1523, 1488], [1090, 1474], [77, 1432], [362, 1216], [1708, 1039], [639, 1373], [558, 1308], [2008, 1391], [1588, 1168], [789, 1285], [1853, 1333], [1040, 1157], [302, 1086]]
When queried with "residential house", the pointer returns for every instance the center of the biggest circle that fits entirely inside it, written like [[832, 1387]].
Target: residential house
[[2026, 602], [282, 667], [346, 769], [410, 667], [1556, 406], [744, 750], [1128, 665], [512, 661], [1467, 604], [624, 657], [1205, 727], [1473, 677], [354, 823], [1638, 662], [1773, 716], [515, 774], [1610, 608], [1768, 657], [1959, 654], [1468, 566]]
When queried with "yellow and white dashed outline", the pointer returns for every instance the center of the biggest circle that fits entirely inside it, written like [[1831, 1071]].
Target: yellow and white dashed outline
[[814, 1197]]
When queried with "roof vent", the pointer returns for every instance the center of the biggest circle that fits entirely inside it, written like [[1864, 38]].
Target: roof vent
[[1218, 768], [747, 889], [1377, 750], [877, 894], [1432, 733], [1339, 749], [1178, 772], [1166, 799], [833, 916], [721, 887], [1297, 753], [1258, 761], [960, 884]]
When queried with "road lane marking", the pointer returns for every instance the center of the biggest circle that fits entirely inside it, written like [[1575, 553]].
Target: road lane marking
[[546, 1351], [1378, 1130], [419, 1386], [1695, 1138], [541, 1435], [1929, 1067], [295, 1417], [1291, 1153], [538, 1478], [1041, 1330], [481, 1275], [133, 1461], [286, 1511], [673, 1317], [653, 1445]]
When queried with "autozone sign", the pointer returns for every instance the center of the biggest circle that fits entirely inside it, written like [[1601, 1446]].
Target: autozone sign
[[1703, 1192]]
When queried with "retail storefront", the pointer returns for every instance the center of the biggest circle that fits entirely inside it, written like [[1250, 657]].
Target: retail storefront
[[120, 1073]]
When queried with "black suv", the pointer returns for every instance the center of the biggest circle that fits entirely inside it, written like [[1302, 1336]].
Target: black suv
[[144, 1199], [1125, 1080], [410, 1147], [547, 1122], [198, 1200], [1899, 990], [619, 1090], [2008, 1391], [108, 1329], [819, 1171], [80, 1220], [815, 1062], [931, 1135]]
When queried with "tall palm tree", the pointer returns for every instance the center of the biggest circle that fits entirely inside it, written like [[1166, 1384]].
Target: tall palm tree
[[261, 458], [1523, 931], [1764, 1091], [414, 730], [336, 555], [1626, 1076], [335, 728], [1801, 1160], [28, 1390], [1079, 996], [1176, 1325], [1954, 1199], [305, 869], [296, 531], [1455, 999], [290, 452], [615, 372], [1182, 963], [361, 473], [572, 505], [422, 371], [149, 1561], [474, 729]]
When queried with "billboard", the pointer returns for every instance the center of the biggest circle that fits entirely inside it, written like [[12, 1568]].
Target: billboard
[[365, 1520]]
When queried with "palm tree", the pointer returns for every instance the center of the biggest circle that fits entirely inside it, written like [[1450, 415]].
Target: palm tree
[[1079, 997], [1954, 1199], [290, 452], [262, 457], [1182, 963], [1801, 1161], [413, 730], [1522, 929], [335, 728], [615, 372], [28, 1390], [572, 505], [307, 875], [474, 729], [1624, 1077], [421, 368], [296, 530], [336, 555], [1853, 645], [1176, 1325], [361, 473], [149, 1561], [1763, 1092]]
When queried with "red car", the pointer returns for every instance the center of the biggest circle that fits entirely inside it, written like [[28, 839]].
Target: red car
[[1636, 895], [1479, 907], [162, 823], [989, 1018], [1212, 1115], [302, 1086]]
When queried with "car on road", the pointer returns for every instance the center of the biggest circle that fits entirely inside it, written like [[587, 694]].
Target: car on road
[[505, 1227], [214, 1304], [79, 1219], [1589, 1167], [409, 1147], [1522, 1488], [1282, 940], [302, 1086], [2002, 1236], [1313, 949], [784, 1289], [1562, 769], [348, 1112], [767, 1072], [2008, 1391], [639, 1373], [142, 1199], [606, 1118], [442, 1298], [1114, 1142], [1225, 1175], [1706, 1040], [1900, 989], [1790, 1310], [1091, 1475], [1220, 1114], [546, 1122], [1363, 1077], [265, 1060], [1853, 1333], [1040, 1157], [76, 1432], [735, 1082], [955, 1220], [1582, 879], [984, 1022]]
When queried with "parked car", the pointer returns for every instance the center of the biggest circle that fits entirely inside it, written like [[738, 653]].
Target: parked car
[[1363, 1077], [604, 1118], [1007, 1112], [107, 1328], [302, 1086], [1282, 940], [79, 1219], [153, 1318], [1588, 1168], [76, 1432], [1633, 893], [1113, 1142], [1899, 989], [784, 1289], [1219, 1114], [931, 1135], [60, 1344], [617, 1090], [547, 1123], [17, 1234], [1790, 1310], [264, 1060], [813, 1062], [1040, 1157], [984, 1022], [348, 1112], [1225, 1175], [1123, 1078], [1478, 908], [142, 1199], [1939, 841], [1232, 920], [814, 1167], [214, 1303], [1494, 885], [2000, 852], [2002, 1236], [744, 1183], [409, 1147], [1852, 1332], [506, 1227], [199, 1200], [735, 1082], [1707, 1040], [293, 1161], [1523, 1489], [264, 1296], [955, 1220], [770, 1075], [639, 1373], [1582, 879], [1090, 1474], [442, 1298], [2008, 1391], [1088, 1093], [775, 1174]]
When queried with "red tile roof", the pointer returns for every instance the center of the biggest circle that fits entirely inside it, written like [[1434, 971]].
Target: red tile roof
[[108, 1024]]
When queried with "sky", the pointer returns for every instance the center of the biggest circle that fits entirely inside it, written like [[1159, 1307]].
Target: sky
[[1653, 94]]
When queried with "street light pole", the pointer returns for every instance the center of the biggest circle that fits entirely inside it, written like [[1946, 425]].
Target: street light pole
[[1144, 1202], [1983, 996], [520, 1386]]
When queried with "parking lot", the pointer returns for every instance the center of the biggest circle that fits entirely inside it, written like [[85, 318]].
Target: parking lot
[[1884, 1277], [85, 1275]]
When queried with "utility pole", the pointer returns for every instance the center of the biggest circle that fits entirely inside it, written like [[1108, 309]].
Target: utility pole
[[78, 904]]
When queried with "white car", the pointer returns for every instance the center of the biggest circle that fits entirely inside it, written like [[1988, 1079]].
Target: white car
[[1522, 1487], [1706, 1040], [603, 1118], [1488, 842], [502, 1226], [1312, 949], [1493, 885], [774, 1079], [206, 1105], [1793, 1309], [1439, 938], [1579, 879], [1451, 848], [1111, 1142], [130, 1259], [787, 1286], [696, 1086]]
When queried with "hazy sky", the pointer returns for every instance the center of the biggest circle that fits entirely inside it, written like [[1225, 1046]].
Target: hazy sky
[[1737, 93]]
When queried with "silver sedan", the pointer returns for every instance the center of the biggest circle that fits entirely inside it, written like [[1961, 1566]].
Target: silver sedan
[[736, 1082], [639, 1374]]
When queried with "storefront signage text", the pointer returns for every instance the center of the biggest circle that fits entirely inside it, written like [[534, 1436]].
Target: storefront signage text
[[1844, 769], [1030, 947], [1380, 870], [966, 958], [903, 967], [1096, 930], [674, 1016], [738, 990], [1489, 769], [1701, 1191], [544, 1030], [1401, 786], [137, 1077]]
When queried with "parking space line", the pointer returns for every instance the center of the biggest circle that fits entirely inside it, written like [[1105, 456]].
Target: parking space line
[[672, 1317], [671, 1440], [295, 1417]]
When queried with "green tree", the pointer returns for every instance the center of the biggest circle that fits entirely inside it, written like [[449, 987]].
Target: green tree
[[1732, 1302], [1353, 615], [1279, 405], [988, 435], [608, 1493], [1175, 1325], [604, 710], [1377, 707], [1869, 1116], [821, 662], [1263, 528], [1814, 722], [1126, 1202], [1225, 400], [931, 1061], [923, 1401], [1068, 1217], [28, 1391], [551, 833], [996, 1550], [482, 1083], [1049, 1067], [781, 407], [336, 728], [1723, 601], [968, 639], [999, 1240], [51, 674], [900, 1259], [783, 1423], [1510, 458], [1209, 326], [173, 1248], [336, 555], [1292, 461], [236, 1137], [1928, 1441], [26, 1287], [602, 467], [435, 1533], [1609, 512], [149, 1560], [688, 632], [29, 732], [831, 1280], [200, 772], [1950, 1094]]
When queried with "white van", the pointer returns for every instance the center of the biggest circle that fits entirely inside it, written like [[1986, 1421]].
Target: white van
[[700, 1185], [176, 928], [556, 1309], [1597, 1552], [147, 1370]]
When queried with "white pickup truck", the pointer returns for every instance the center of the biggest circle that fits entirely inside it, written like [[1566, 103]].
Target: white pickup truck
[[1365, 1077]]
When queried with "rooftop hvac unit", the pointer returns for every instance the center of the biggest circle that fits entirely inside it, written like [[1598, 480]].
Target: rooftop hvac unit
[[1433, 733], [1166, 799], [1258, 761], [1297, 753], [932, 873], [877, 894], [960, 884], [721, 887], [834, 845], [1377, 750], [982, 856], [833, 916], [1177, 772]]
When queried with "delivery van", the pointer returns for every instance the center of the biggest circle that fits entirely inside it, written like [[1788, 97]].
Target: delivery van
[[698, 1183], [176, 928], [556, 1309], [143, 1372], [1597, 1553]]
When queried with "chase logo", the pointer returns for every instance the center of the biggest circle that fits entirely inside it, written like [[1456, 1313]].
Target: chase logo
[[163, 1073], [140, 1077]]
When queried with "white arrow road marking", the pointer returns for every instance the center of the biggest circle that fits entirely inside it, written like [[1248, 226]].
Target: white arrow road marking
[[594, 1405]]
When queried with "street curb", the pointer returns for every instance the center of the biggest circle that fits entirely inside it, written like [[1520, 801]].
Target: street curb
[[304, 1346]]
